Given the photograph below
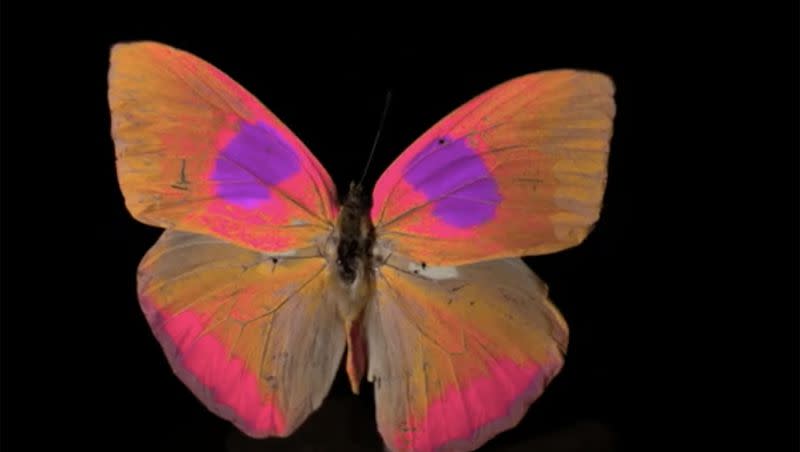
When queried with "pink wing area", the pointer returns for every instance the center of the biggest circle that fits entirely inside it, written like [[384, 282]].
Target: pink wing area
[[253, 336], [195, 151], [519, 170], [458, 354]]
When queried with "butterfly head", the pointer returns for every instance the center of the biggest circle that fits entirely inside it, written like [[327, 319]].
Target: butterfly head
[[357, 197]]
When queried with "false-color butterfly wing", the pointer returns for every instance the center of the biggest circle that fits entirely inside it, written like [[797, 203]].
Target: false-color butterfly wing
[[239, 297], [519, 170], [255, 337], [197, 152], [457, 354], [462, 337]]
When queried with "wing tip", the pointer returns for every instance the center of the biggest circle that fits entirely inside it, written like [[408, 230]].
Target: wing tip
[[135, 43], [586, 78], [133, 48]]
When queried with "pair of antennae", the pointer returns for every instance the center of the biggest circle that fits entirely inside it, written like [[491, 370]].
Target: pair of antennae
[[377, 135]]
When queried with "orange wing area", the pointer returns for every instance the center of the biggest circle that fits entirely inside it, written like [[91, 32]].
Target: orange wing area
[[253, 336], [519, 170], [196, 152], [457, 354]]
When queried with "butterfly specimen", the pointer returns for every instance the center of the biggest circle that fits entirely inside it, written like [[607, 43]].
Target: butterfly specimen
[[263, 280]]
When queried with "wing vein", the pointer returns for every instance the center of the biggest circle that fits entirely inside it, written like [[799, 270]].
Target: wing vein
[[285, 300], [233, 108], [408, 316]]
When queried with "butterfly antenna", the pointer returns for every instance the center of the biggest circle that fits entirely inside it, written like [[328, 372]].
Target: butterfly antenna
[[378, 135]]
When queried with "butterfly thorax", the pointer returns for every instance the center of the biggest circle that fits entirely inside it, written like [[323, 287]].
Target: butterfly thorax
[[349, 254], [355, 236]]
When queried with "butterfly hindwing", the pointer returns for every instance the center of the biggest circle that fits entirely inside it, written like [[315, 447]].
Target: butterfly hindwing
[[255, 337], [519, 170], [195, 151], [457, 354]]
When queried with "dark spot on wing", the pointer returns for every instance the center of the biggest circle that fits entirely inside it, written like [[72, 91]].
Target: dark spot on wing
[[424, 265], [403, 426], [182, 183], [457, 288]]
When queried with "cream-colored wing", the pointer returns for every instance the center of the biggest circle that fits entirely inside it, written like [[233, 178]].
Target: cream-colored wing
[[254, 336], [457, 354]]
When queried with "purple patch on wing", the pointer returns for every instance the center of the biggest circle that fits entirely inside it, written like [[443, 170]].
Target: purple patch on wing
[[257, 157], [456, 178]]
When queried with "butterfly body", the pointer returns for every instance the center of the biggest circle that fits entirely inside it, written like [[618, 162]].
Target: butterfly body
[[350, 255], [262, 280]]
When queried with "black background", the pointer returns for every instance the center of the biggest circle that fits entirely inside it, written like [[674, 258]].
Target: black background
[[679, 303]]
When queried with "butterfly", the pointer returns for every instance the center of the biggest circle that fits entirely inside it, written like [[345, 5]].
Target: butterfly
[[263, 281]]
